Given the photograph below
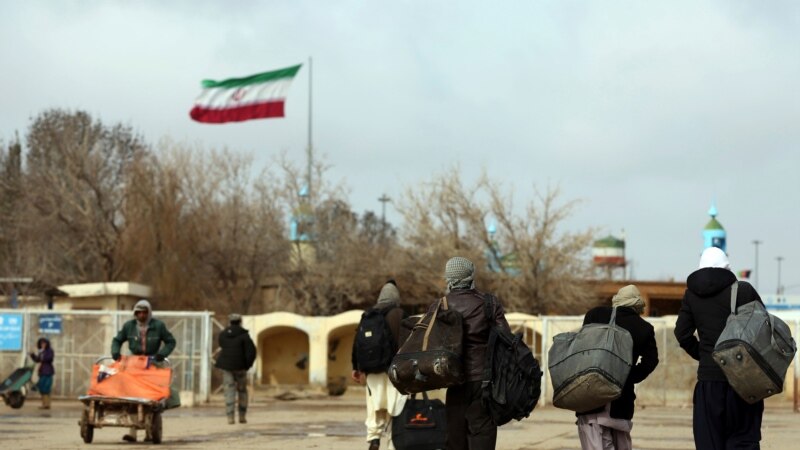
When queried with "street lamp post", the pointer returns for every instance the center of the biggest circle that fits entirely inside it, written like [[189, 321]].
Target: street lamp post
[[779, 259], [756, 242]]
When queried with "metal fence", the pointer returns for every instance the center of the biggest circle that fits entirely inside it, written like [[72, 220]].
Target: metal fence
[[671, 382], [86, 335]]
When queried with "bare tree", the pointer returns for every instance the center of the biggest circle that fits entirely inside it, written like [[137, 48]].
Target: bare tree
[[159, 245], [75, 182], [531, 261], [339, 259], [238, 223]]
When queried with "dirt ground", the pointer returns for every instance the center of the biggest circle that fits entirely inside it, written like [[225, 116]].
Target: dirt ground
[[336, 423]]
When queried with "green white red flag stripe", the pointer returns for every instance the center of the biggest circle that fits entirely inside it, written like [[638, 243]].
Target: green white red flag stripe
[[258, 96]]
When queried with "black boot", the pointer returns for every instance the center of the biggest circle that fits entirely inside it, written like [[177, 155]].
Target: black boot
[[374, 444]]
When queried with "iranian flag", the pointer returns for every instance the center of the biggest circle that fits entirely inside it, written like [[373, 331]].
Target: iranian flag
[[258, 96]]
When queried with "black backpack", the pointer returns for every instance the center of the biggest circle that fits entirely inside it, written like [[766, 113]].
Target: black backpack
[[512, 377], [375, 345]]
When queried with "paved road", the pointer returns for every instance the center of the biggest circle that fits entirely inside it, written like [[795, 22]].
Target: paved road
[[337, 424]]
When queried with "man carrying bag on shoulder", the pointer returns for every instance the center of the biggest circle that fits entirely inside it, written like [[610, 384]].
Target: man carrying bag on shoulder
[[469, 425], [375, 344]]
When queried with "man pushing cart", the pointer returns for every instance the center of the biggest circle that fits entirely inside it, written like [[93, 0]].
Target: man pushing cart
[[143, 379]]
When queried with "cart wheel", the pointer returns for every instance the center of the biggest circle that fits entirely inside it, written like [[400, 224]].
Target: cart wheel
[[155, 428], [16, 399], [87, 430]]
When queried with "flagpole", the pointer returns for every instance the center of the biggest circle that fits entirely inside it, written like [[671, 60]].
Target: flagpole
[[309, 154]]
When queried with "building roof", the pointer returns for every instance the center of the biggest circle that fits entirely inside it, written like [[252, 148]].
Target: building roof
[[102, 289]]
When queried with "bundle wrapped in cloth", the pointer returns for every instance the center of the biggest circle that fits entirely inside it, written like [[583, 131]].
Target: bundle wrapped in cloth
[[134, 377]]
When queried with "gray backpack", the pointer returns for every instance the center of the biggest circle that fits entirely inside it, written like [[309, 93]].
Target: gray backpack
[[754, 350], [590, 367]]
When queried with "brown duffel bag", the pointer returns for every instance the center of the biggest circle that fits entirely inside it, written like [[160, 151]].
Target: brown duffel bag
[[431, 356]]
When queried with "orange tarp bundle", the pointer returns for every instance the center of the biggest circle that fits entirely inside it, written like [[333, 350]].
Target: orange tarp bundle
[[130, 377]]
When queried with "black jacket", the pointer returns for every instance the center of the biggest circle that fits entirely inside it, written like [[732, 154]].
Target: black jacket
[[469, 302], [644, 345], [238, 351], [705, 307]]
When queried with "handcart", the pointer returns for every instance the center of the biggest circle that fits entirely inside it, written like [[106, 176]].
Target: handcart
[[131, 375], [16, 386], [136, 413]]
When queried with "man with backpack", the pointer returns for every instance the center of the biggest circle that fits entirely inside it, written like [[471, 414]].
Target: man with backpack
[[721, 418], [469, 424], [609, 427], [374, 346]]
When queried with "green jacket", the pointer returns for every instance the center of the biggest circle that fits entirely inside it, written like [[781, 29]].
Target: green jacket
[[156, 334]]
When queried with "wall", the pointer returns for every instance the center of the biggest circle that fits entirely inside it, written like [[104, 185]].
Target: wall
[[671, 383]]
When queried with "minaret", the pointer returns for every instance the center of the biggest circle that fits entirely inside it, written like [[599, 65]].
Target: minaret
[[713, 234]]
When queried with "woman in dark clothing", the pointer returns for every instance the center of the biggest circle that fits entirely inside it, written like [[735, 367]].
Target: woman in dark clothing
[[44, 356], [610, 426], [721, 419]]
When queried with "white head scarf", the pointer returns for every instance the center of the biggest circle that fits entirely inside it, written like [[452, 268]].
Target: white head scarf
[[714, 257]]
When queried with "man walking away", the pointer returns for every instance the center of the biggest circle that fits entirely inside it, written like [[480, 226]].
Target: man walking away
[[609, 427], [374, 346], [469, 425], [236, 357], [721, 419]]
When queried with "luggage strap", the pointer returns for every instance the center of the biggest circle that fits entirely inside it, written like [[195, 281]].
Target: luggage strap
[[442, 301], [734, 293], [770, 319]]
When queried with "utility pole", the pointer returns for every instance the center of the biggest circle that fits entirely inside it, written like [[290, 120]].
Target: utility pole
[[383, 199], [310, 152], [779, 259], [756, 242]]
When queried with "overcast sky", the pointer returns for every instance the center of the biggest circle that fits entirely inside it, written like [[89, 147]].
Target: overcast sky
[[643, 111]]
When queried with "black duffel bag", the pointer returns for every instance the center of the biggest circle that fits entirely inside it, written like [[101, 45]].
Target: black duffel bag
[[431, 356], [421, 425]]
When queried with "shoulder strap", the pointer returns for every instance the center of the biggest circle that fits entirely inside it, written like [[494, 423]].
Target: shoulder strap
[[613, 316], [430, 324], [488, 309], [734, 294]]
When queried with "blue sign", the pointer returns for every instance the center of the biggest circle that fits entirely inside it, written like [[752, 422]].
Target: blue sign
[[50, 324], [11, 332]]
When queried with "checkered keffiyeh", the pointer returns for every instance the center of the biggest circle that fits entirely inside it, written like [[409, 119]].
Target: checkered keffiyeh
[[459, 273]]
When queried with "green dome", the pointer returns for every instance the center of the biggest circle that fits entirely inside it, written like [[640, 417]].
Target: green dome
[[609, 242], [713, 224]]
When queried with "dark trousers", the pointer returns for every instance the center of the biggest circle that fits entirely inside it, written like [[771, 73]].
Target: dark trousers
[[722, 420], [469, 427]]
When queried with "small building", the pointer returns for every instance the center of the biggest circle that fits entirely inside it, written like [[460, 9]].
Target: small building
[[101, 296]]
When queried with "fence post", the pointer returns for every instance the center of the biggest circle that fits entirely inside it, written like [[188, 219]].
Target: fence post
[[26, 325], [665, 352], [545, 362], [205, 378]]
